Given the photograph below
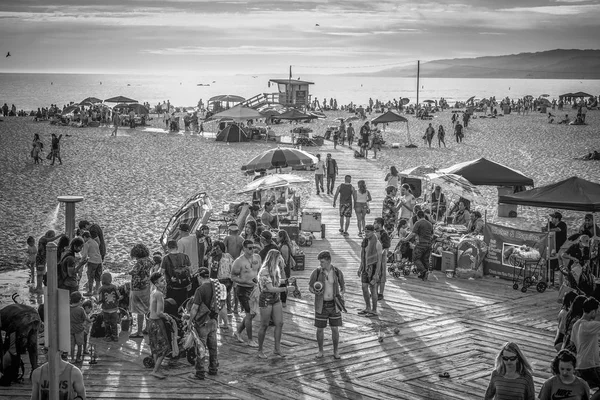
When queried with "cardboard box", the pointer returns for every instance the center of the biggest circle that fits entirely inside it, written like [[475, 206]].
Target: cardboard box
[[448, 261]]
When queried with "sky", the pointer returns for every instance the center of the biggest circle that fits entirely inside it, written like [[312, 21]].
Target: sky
[[267, 36]]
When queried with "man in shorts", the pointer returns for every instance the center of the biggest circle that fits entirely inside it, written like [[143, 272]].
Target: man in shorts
[[347, 195], [244, 273], [370, 270], [91, 255], [424, 231], [327, 309], [585, 337]]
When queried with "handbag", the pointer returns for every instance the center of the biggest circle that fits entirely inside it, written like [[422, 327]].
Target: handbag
[[368, 209], [49, 156]]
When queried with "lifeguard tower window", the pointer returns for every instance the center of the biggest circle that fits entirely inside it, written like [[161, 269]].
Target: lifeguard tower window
[[293, 92]]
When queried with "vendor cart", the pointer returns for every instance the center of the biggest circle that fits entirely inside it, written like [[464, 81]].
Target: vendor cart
[[529, 271]]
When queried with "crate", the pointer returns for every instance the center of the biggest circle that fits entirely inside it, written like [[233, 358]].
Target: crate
[[300, 259], [448, 261]]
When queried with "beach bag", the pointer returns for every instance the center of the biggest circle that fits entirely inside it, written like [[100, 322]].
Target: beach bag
[[49, 156]]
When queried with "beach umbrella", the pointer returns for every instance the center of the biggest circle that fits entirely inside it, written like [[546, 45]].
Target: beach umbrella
[[280, 157], [237, 113], [352, 118], [90, 100], [295, 114], [269, 112], [419, 171], [120, 99], [121, 106], [70, 109], [544, 95], [428, 101], [273, 181], [229, 98], [405, 101], [581, 94], [139, 109], [470, 99], [545, 102], [457, 185]]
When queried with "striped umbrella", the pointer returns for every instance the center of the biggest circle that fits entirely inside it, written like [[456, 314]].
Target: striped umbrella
[[457, 185], [273, 181], [420, 171], [280, 158]]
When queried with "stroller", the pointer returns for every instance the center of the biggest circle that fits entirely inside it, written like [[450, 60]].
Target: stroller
[[175, 332], [400, 260]]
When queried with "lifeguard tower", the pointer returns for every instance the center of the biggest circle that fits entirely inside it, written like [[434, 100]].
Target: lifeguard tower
[[291, 93]]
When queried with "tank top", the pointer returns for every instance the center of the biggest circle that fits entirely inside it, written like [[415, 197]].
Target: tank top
[[393, 181], [66, 388], [346, 193], [362, 197]]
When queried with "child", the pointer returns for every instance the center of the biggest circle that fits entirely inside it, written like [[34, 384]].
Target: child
[[157, 259], [336, 136], [87, 325], [31, 253], [108, 297], [402, 228], [78, 318], [223, 310]]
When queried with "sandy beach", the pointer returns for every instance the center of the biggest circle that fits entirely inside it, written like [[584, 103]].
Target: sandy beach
[[133, 183]]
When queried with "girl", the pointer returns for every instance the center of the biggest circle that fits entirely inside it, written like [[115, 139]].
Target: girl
[[363, 197], [441, 134], [392, 177], [511, 378], [564, 380], [269, 281]]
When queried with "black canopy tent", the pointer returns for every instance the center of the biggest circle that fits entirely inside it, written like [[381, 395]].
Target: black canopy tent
[[232, 133], [486, 172], [571, 194]]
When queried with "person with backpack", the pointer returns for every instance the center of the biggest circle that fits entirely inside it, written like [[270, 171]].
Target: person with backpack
[[328, 286], [203, 318], [177, 270]]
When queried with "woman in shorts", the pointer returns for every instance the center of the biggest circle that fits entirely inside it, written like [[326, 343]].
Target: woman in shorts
[[269, 279], [363, 197]]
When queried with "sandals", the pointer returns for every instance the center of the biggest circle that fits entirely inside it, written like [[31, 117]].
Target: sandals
[[444, 375], [363, 312]]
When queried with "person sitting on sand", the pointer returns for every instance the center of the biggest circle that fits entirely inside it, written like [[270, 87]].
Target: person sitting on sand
[[550, 118], [565, 120]]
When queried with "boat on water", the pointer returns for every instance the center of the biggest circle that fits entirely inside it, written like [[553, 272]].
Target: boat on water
[[203, 84]]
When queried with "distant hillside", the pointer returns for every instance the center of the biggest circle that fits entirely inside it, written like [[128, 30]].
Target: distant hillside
[[553, 64]]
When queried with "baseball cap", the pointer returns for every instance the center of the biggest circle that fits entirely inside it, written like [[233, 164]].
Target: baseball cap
[[556, 214], [204, 272], [267, 235]]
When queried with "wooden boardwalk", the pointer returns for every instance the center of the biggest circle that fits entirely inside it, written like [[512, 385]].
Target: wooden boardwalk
[[449, 325]]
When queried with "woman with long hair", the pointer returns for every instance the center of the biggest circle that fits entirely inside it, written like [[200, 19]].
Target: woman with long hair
[[250, 233], [574, 314], [512, 376], [139, 297], [562, 319], [441, 134], [363, 197], [393, 178], [287, 253], [269, 281], [564, 380]]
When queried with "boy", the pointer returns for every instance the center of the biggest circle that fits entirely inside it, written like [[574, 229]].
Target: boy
[[108, 297], [30, 263], [78, 318], [87, 307], [91, 255]]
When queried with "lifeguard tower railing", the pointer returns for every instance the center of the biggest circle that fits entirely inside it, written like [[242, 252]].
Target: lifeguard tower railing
[[266, 99]]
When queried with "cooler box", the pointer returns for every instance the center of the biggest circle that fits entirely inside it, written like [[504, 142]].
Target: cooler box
[[300, 259], [292, 231], [448, 261], [436, 262], [311, 220]]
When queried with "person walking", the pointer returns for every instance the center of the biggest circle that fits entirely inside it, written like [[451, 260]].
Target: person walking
[[441, 134], [512, 376], [363, 197], [429, 133], [332, 172], [393, 177], [365, 133], [319, 172], [270, 279], [386, 243], [370, 270], [116, 120], [243, 274], [178, 275], [139, 297], [350, 134], [157, 331], [458, 132], [422, 251], [564, 384], [347, 195], [327, 284]]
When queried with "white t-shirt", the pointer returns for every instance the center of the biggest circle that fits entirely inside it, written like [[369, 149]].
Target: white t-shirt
[[409, 204], [320, 168], [585, 336]]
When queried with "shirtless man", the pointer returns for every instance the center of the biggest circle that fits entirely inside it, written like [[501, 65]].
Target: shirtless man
[[332, 285], [244, 273], [157, 332]]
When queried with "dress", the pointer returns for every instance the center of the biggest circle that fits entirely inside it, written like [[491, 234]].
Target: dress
[[389, 213]]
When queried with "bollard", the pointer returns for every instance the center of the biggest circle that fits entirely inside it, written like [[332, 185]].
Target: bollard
[[70, 213], [51, 324]]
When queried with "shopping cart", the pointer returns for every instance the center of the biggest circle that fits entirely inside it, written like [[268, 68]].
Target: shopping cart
[[529, 271]]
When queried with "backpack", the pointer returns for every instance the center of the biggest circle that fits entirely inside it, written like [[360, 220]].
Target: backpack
[[12, 367]]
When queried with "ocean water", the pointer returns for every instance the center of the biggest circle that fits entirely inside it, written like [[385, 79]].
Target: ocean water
[[30, 91]]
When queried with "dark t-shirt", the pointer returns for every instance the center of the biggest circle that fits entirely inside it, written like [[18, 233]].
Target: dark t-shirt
[[265, 250], [108, 296], [203, 297], [384, 238], [580, 254], [424, 229], [177, 266], [561, 236]]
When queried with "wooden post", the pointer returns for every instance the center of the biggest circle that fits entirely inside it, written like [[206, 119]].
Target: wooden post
[[52, 321], [418, 72]]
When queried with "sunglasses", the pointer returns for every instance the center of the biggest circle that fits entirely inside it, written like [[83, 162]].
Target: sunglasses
[[249, 247], [514, 358]]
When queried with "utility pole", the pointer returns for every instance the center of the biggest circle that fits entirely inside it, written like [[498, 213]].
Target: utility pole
[[418, 71]]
